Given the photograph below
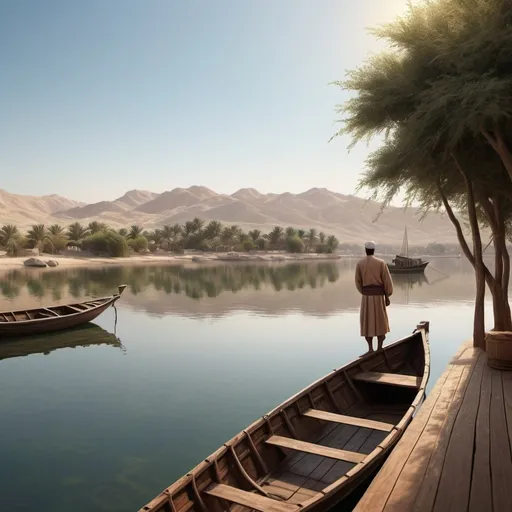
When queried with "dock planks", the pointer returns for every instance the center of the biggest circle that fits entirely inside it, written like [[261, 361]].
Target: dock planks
[[456, 454]]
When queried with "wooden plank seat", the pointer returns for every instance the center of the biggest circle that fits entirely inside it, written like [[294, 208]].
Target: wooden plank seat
[[393, 379], [249, 499], [315, 449], [349, 420]]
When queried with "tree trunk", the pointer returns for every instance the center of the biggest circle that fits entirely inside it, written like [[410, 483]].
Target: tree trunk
[[499, 145], [479, 318]]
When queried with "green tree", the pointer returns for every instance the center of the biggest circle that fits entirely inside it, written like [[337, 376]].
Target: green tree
[[275, 237], [311, 238], [255, 234], [135, 232], [290, 231], [76, 232], [38, 236], [95, 227], [332, 242], [440, 100], [123, 232], [10, 239], [294, 244]]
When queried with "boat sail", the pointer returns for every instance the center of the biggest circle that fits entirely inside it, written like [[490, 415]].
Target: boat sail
[[403, 264]]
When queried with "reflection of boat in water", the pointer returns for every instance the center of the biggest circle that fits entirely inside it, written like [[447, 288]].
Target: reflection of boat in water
[[402, 264], [373, 397], [82, 336], [54, 318], [410, 280]]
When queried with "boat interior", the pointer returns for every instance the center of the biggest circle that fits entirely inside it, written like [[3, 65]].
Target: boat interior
[[311, 442], [51, 312]]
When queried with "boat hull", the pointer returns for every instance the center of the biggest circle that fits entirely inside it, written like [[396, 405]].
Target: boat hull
[[416, 269], [57, 318], [348, 421]]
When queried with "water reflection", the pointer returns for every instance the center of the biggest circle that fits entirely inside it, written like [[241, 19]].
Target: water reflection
[[83, 336], [195, 283]]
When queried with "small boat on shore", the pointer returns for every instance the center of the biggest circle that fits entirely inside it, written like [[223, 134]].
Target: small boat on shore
[[315, 448], [54, 318]]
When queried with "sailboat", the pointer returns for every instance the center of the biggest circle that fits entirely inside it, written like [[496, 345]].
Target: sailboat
[[402, 264]]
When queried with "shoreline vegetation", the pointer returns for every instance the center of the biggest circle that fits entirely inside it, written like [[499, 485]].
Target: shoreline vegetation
[[193, 242]]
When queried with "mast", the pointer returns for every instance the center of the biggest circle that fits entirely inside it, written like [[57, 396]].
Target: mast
[[404, 251]]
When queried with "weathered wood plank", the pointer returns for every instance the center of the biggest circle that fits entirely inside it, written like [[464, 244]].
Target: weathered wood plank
[[393, 379], [427, 494], [507, 395], [380, 489], [349, 420], [249, 499], [410, 479], [455, 483], [316, 449], [481, 493], [501, 463]]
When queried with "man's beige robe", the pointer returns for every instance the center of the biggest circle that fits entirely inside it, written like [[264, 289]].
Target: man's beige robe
[[373, 315]]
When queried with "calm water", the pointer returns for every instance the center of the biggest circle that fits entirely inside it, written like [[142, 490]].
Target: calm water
[[92, 421]]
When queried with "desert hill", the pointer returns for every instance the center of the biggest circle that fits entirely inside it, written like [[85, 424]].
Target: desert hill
[[349, 217]]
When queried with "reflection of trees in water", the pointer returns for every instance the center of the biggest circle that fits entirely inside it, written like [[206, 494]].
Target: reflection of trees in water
[[195, 282]]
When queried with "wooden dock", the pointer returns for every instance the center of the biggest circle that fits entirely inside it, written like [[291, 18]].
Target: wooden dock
[[456, 454]]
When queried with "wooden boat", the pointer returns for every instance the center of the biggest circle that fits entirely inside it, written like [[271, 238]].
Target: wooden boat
[[54, 318], [402, 264], [82, 336], [315, 448]]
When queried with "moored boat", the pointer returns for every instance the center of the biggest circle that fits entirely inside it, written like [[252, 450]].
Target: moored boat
[[54, 318], [402, 264], [315, 448]]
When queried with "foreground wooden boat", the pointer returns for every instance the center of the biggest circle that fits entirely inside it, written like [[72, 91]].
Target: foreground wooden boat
[[54, 318], [316, 447], [86, 335]]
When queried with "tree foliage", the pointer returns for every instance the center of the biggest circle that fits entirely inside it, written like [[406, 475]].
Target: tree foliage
[[440, 98]]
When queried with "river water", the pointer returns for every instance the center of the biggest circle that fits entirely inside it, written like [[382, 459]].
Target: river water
[[102, 419]]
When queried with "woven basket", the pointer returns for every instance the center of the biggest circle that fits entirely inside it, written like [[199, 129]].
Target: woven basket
[[499, 349]]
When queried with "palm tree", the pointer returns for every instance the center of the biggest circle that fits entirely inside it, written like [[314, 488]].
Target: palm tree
[[95, 227], [275, 236], [321, 237], [301, 233], [10, 239], [228, 235], [197, 224], [38, 236], [123, 232], [135, 232], [290, 231], [188, 228], [76, 232], [311, 238], [241, 237], [332, 242], [255, 234], [56, 230], [212, 232]]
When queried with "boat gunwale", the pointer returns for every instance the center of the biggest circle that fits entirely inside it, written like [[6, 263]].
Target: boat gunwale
[[422, 329], [106, 301]]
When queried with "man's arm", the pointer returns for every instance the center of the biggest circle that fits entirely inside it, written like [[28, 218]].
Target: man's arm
[[359, 279], [386, 280]]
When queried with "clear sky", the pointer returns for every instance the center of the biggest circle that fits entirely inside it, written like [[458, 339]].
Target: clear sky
[[99, 97]]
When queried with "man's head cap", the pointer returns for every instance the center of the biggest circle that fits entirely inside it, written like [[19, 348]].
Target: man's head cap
[[369, 245]]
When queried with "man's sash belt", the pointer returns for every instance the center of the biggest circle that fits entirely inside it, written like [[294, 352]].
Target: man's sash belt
[[374, 289]]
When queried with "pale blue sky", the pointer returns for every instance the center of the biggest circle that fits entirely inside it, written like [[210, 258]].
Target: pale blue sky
[[101, 96]]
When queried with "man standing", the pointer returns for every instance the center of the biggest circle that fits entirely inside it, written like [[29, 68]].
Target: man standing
[[374, 283]]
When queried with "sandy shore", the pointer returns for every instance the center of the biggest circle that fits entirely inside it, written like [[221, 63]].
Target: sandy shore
[[7, 263]]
